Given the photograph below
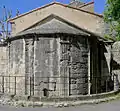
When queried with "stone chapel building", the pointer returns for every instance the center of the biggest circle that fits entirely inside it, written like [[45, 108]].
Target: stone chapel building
[[61, 47]]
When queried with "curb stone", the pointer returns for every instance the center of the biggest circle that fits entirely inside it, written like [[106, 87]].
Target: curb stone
[[24, 103], [52, 104]]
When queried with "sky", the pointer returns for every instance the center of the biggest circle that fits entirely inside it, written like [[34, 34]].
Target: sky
[[27, 5]]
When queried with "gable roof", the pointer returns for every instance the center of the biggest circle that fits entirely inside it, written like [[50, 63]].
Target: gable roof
[[56, 25], [68, 6]]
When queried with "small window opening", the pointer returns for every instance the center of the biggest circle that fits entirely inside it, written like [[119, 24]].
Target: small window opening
[[45, 92]]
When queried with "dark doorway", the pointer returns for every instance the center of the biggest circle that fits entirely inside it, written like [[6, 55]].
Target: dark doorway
[[45, 92]]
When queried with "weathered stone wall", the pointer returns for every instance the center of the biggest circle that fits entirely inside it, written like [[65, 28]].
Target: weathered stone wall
[[34, 60], [106, 68], [3, 59], [16, 58], [57, 65], [61, 66], [79, 66], [3, 65], [16, 67], [65, 65], [29, 65], [74, 65], [116, 64], [94, 65], [47, 65], [106, 60], [100, 65]]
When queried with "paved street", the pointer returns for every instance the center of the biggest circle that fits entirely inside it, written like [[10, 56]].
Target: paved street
[[111, 106]]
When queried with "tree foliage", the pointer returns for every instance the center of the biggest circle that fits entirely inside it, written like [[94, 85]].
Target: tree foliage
[[112, 17]]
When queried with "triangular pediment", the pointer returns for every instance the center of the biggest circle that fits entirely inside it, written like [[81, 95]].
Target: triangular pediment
[[81, 18], [54, 24]]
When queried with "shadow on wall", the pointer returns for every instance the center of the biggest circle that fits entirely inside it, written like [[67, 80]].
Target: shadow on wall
[[115, 65], [101, 78], [115, 68], [108, 79], [105, 63]]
